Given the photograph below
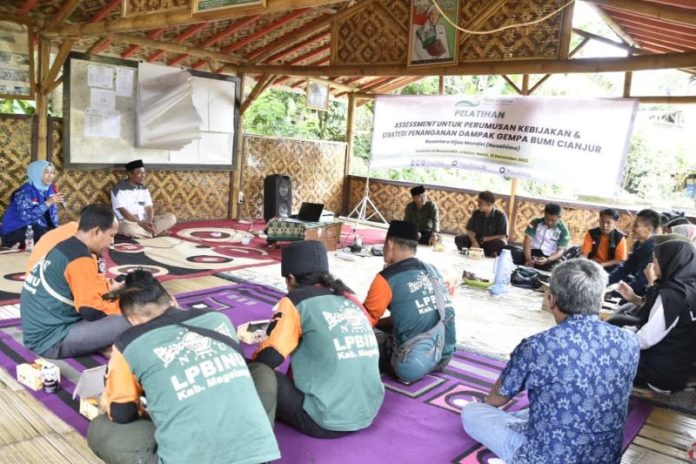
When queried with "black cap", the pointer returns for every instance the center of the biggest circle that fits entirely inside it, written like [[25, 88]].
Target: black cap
[[487, 196], [403, 229], [133, 165], [417, 190], [307, 257]]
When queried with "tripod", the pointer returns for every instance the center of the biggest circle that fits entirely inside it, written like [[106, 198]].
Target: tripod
[[361, 207]]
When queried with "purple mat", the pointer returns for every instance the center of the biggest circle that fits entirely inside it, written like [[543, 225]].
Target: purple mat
[[417, 423]]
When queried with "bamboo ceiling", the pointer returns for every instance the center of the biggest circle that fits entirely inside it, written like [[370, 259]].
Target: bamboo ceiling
[[365, 42]]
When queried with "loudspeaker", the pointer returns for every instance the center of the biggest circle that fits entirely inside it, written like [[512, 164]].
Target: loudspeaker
[[277, 196]]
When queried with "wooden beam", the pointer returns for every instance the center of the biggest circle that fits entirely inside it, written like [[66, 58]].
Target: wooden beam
[[525, 85], [350, 135], [288, 40], [607, 41], [441, 85], [579, 47], [628, 79], [261, 85], [223, 35], [654, 10], [21, 19], [52, 86], [580, 65], [667, 100], [179, 39], [614, 26], [310, 54], [100, 45], [42, 100], [240, 162], [566, 32], [175, 48], [280, 22], [154, 34], [512, 84], [289, 51], [27, 7], [105, 10], [63, 52], [63, 13], [179, 18]]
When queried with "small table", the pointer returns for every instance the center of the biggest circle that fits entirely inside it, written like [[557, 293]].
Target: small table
[[284, 230]]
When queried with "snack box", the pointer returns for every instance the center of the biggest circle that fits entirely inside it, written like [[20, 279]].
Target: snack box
[[253, 332], [89, 407], [476, 253], [30, 376]]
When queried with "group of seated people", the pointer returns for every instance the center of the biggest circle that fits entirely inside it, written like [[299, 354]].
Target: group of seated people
[[179, 387], [189, 367], [35, 203]]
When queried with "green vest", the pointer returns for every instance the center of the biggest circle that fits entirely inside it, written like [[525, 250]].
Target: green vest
[[46, 318], [200, 394], [413, 306], [336, 364]]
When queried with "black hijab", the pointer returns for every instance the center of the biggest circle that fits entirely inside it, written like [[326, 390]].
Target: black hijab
[[677, 286]]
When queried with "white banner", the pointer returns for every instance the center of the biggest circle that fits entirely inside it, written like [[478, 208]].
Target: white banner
[[559, 140]]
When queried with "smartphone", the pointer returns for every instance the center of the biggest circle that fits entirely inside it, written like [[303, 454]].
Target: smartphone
[[258, 326]]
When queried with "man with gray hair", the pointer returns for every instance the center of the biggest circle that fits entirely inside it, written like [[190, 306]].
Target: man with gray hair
[[578, 377]]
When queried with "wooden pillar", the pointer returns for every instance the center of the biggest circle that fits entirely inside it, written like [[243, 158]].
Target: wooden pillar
[[441, 88], [628, 80], [236, 174], [42, 100], [515, 181], [350, 134]]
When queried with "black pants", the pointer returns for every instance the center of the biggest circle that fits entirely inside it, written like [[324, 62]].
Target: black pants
[[491, 248], [518, 257], [425, 237], [289, 411], [18, 235]]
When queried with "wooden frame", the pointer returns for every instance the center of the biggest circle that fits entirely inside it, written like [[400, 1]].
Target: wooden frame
[[317, 95], [206, 6], [431, 39], [16, 59], [68, 161]]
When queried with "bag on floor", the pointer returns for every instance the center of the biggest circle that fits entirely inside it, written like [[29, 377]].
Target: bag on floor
[[526, 277]]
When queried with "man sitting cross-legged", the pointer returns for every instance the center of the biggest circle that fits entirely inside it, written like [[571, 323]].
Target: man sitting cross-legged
[[419, 336], [61, 307], [577, 375]]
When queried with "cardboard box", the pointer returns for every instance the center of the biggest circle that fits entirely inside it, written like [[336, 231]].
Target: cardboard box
[[30, 375], [89, 388]]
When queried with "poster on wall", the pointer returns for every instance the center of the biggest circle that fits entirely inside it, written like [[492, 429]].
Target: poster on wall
[[16, 61], [558, 140], [432, 39], [317, 95]]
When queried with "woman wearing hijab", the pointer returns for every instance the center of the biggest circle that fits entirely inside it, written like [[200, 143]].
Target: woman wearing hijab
[[667, 318], [685, 230], [34, 204]]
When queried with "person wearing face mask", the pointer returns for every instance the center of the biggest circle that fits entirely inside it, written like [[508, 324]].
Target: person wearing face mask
[[666, 317], [33, 204]]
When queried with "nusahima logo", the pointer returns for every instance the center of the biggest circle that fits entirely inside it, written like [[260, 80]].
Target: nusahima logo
[[466, 104]]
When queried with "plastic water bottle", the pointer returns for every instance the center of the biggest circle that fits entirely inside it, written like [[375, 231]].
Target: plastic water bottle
[[29, 239], [503, 269]]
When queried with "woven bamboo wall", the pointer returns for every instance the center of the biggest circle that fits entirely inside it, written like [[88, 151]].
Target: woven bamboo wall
[[189, 195], [316, 169], [15, 154], [376, 31], [537, 41], [391, 198], [457, 205]]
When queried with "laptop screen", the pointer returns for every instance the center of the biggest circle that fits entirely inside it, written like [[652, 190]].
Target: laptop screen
[[310, 212]]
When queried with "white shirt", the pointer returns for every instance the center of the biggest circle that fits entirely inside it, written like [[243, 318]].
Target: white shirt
[[134, 198], [654, 330]]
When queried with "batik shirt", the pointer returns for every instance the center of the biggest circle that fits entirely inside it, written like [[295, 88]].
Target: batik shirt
[[578, 377]]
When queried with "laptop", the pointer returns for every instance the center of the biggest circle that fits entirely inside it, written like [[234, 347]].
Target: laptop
[[310, 212]]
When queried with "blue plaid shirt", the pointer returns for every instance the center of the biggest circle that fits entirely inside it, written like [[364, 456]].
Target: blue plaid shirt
[[578, 376]]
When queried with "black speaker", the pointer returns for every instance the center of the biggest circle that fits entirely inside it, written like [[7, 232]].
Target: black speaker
[[277, 196]]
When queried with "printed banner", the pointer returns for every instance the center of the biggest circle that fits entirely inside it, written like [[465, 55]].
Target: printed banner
[[559, 140]]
